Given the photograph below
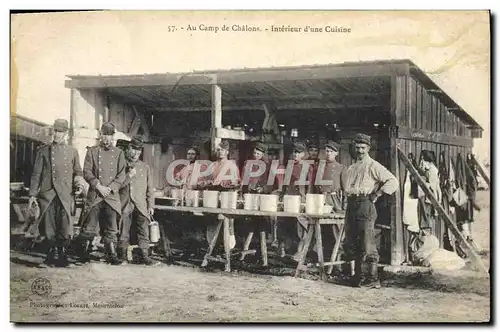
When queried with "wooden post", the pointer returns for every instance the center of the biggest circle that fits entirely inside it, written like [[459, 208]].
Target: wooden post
[[216, 115], [482, 172], [421, 183], [397, 244]]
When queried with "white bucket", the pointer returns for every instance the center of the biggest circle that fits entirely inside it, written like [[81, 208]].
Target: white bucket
[[210, 198], [291, 203], [228, 199], [268, 203], [192, 198], [177, 195], [315, 203], [251, 202]]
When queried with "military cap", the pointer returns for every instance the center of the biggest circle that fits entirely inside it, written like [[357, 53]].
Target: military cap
[[333, 145], [108, 128], [122, 143], [298, 146], [137, 143], [362, 138], [195, 149], [61, 125], [312, 144], [224, 145], [260, 146]]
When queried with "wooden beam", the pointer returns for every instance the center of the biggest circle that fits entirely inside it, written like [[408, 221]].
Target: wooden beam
[[216, 115], [397, 245], [476, 260], [229, 134], [430, 136], [284, 107], [482, 172], [323, 72]]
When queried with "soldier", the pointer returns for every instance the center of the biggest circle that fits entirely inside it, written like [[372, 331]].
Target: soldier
[[137, 200], [313, 154], [257, 184], [104, 170], [289, 226], [56, 172], [366, 180], [334, 172], [218, 181]]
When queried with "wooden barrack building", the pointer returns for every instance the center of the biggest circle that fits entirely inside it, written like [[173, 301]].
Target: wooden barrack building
[[393, 101]]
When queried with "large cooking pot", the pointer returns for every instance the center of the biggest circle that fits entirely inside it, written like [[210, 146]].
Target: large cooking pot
[[210, 198], [251, 201], [268, 203], [291, 203], [315, 203], [228, 199]]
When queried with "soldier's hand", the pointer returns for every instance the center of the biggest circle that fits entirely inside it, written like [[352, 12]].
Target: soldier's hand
[[106, 191], [31, 201], [78, 190], [132, 172], [151, 212]]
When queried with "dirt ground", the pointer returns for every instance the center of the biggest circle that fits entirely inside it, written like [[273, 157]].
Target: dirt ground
[[101, 293]]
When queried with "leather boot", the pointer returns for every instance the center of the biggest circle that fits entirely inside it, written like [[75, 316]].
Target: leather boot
[[112, 257], [372, 281], [122, 255], [83, 247], [146, 260], [52, 257], [63, 258]]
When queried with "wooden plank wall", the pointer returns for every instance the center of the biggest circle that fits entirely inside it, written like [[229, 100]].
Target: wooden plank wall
[[25, 138], [425, 110]]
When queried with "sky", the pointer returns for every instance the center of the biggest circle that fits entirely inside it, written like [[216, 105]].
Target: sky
[[453, 48]]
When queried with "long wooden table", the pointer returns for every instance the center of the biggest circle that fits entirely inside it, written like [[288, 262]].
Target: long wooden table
[[312, 221]]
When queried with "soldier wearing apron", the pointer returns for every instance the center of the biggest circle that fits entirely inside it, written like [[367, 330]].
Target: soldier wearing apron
[[56, 172], [137, 200], [219, 181], [333, 172], [290, 227], [104, 170]]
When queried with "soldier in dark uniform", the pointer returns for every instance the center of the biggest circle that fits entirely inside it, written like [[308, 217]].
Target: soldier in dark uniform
[[334, 172], [137, 198], [104, 170], [56, 173], [313, 154]]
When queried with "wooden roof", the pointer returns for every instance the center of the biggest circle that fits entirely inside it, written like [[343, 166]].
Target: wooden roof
[[335, 86]]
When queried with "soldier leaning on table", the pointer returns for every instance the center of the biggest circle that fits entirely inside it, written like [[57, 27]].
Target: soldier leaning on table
[[104, 170], [56, 172], [136, 195]]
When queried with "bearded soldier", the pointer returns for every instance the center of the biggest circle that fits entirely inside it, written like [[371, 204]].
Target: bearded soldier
[[56, 173], [137, 201], [104, 170]]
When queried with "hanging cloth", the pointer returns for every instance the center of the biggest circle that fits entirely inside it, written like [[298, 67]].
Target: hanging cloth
[[410, 206]]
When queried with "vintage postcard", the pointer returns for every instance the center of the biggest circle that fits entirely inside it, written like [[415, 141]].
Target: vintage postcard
[[250, 166]]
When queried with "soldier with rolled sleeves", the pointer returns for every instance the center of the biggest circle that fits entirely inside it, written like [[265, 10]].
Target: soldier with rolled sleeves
[[137, 200], [56, 173], [366, 180], [104, 170]]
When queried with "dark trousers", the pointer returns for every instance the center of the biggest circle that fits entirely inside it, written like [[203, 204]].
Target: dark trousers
[[359, 244], [56, 224], [133, 218], [103, 217]]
